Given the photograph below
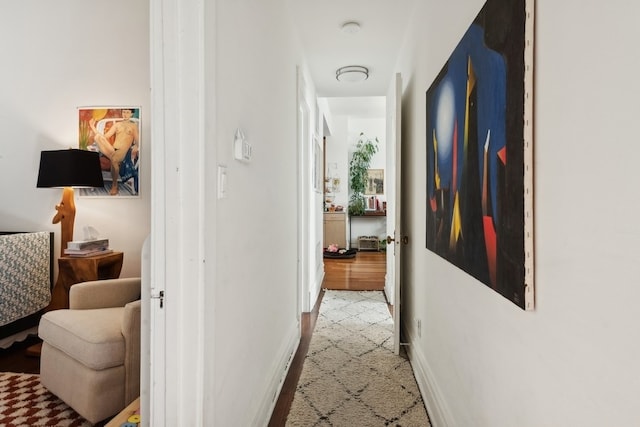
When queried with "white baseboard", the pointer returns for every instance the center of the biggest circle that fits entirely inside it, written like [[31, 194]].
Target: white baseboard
[[436, 405], [390, 291], [279, 370], [315, 291]]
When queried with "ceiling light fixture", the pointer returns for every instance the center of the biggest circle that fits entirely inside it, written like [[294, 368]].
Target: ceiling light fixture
[[351, 27], [352, 74]]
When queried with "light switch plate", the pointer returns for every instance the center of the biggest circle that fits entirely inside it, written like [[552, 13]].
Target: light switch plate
[[222, 182]]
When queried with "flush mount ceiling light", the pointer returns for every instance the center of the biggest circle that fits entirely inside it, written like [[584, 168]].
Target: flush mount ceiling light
[[351, 27], [352, 74]]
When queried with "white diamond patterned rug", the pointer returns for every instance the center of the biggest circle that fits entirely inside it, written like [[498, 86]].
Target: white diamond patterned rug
[[351, 376]]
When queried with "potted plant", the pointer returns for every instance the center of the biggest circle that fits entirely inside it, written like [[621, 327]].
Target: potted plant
[[358, 167]]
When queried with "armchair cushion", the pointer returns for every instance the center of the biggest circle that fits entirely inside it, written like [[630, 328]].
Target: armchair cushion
[[92, 337]]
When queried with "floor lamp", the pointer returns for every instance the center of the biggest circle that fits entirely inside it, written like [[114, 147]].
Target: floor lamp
[[67, 169]]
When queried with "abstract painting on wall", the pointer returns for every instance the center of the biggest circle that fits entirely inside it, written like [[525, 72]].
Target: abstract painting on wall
[[479, 152]]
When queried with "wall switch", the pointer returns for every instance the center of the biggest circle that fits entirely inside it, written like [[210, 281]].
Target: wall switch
[[222, 182], [419, 327]]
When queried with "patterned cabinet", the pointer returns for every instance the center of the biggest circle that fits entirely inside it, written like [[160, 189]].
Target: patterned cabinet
[[335, 229]]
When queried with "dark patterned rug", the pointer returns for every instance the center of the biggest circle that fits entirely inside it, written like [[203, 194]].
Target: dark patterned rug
[[351, 376], [25, 402]]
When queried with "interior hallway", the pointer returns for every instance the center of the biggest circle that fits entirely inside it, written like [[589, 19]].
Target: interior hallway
[[365, 272]]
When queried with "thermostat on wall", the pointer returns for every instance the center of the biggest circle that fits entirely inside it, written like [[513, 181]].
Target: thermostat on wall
[[241, 148]]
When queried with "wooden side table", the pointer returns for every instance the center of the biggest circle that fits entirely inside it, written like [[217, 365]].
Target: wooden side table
[[72, 270]]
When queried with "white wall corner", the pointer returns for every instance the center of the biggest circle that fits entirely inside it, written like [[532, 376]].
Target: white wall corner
[[326, 115], [314, 292], [390, 288]]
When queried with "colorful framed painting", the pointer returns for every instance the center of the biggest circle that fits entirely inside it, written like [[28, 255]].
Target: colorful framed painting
[[113, 132], [479, 152]]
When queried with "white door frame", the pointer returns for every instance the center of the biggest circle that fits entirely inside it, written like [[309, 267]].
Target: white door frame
[[177, 372], [304, 194], [394, 144]]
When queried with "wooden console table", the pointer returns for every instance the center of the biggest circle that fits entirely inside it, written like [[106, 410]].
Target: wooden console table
[[72, 270], [367, 214]]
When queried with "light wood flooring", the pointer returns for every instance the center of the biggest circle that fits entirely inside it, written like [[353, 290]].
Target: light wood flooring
[[365, 272]]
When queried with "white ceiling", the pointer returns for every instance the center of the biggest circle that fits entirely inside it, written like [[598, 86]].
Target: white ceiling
[[358, 106], [326, 47]]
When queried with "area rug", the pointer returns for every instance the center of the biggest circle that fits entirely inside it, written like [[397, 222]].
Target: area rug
[[351, 376], [25, 402]]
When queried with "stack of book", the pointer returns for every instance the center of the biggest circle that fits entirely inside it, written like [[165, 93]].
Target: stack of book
[[85, 248]]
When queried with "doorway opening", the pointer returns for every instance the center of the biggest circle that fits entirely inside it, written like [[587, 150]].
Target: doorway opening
[[364, 266]]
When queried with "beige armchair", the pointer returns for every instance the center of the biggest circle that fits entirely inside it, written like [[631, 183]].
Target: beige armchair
[[91, 352]]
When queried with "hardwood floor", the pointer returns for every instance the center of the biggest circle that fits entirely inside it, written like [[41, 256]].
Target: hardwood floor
[[16, 359], [365, 272]]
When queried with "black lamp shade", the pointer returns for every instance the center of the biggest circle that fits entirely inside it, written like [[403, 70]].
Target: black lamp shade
[[69, 168]]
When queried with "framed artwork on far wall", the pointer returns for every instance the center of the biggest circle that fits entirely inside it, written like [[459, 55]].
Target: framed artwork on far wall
[[375, 182], [114, 133]]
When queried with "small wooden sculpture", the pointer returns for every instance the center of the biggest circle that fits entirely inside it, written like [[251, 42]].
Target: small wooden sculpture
[[65, 216]]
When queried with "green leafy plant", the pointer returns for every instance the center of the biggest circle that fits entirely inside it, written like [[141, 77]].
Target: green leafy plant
[[358, 167]]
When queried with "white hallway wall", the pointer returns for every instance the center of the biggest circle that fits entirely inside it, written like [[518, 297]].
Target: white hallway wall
[[338, 155], [572, 361], [55, 60], [255, 304]]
